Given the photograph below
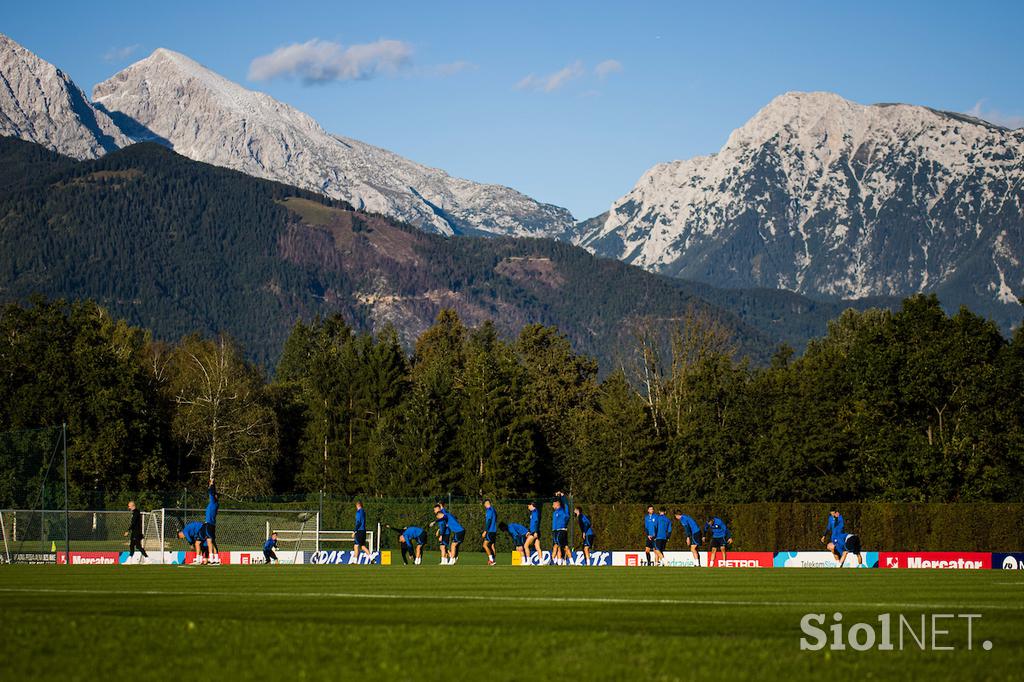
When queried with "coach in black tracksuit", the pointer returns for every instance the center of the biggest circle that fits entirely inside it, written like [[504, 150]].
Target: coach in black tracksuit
[[135, 532]]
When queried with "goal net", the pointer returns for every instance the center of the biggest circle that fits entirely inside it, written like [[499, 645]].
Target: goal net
[[37, 535], [242, 530]]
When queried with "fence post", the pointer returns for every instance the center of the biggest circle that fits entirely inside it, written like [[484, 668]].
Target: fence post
[[163, 531], [67, 514], [318, 524]]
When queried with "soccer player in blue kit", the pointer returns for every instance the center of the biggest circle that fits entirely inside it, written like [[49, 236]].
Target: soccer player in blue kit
[[269, 555], [359, 542], [210, 525], [650, 530], [559, 531], [490, 534], [692, 530], [586, 531], [194, 535], [519, 533], [533, 534]]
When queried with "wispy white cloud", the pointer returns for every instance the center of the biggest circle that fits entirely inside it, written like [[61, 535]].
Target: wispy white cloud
[[552, 81], [1011, 121], [322, 61], [119, 54], [607, 68]]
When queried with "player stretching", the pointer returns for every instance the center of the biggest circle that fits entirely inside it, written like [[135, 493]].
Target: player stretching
[[835, 528], [650, 529], [587, 532], [269, 555], [519, 533], [533, 534], [458, 534], [663, 532], [721, 538], [844, 544], [692, 530], [443, 533], [210, 525], [490, 533], [559, 530], [359, 543], [412, 539], [134, 532], [194, 536]]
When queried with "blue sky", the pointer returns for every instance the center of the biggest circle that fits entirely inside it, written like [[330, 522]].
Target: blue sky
[[512, 92]]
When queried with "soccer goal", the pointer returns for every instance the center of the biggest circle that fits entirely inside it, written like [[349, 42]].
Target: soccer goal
[[31, 535], [242, 530]]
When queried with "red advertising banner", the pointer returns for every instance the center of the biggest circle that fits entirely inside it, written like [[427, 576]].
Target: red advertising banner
[[963, 560], [89, 558], [223, 557], [743, 560]]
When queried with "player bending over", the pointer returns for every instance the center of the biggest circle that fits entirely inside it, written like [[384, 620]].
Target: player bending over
[[721, 538], [692, 530], [835, 527], [519, 534], [269, 555], [490, 533], [210, 524], [533, 534], [559, 531], [194, 536], [359, 543], [844, 544], [586, 532], [412, 539], [458, 534], [650, 530]]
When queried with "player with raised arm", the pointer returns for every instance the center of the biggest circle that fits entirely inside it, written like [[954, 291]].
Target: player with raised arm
[[518, 533], [835, 527], [721, 538], [662, 533], [847, 543], [692, 530], [194, 536], [559, 530], [490, 534], [586, 532], [134, 532], [359, 540], [650, 530], [269, 555], [533, 534], [210, 522]]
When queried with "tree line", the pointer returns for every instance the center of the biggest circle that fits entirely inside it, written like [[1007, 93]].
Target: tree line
[[911, 405]]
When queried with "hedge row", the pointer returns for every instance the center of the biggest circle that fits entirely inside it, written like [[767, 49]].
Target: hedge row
[[986, 527]]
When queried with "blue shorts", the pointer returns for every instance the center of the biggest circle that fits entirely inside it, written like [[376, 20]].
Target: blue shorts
[[360, 538], [694, 540], [561, 537], [718, 543], [518, 540], [650, 543], [491, 537], [458, 536], [660, 544], [417, 540], [588, 540], [445, 539]]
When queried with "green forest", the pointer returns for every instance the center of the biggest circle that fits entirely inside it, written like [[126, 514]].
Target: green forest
[[907, 405]]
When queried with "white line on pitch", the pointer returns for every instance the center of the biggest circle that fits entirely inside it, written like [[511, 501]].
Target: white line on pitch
[[500, 598]]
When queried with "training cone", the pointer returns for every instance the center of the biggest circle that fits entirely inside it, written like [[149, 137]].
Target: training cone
[[53, 545]]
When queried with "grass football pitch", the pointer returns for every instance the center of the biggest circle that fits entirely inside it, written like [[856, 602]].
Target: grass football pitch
[[471, 621]]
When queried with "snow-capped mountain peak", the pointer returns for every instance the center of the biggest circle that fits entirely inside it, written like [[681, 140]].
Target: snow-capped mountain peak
[[822, 195], [209, 118], [40, 103]]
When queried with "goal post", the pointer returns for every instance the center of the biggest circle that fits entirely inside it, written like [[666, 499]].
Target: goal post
[[245, 530]]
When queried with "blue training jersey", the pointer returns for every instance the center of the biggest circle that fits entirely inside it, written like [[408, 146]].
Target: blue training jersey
[[689, 525], [718, 528], [491, 520], [663, 527], [270, 544], [586, 527], [534, 521], [442, 526], [559, 519], [836, 526], [651, 525], [415, 534], [193, 531], [453, 523], [517, 531], [212, 506], [360, 519]]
